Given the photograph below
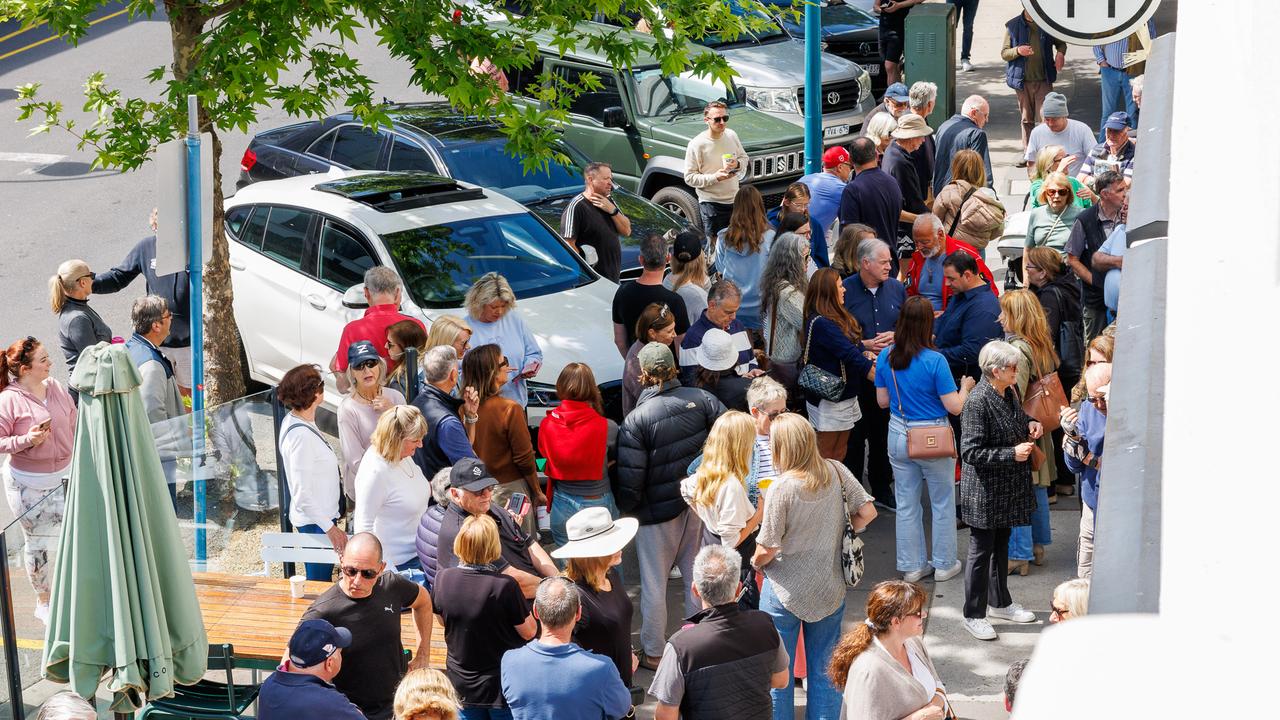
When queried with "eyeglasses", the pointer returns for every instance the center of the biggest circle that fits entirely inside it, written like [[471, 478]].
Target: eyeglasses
[[1057, 192], [166, 316], [1029, 266], [504, 363], [1098, 400], [366, 364], [771, 415], [1060, 612], [485, 491], [366, 573], [1091, 363], [719, 119], [921, 613]]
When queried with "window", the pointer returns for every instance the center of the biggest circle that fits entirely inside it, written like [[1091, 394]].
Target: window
[[247, 228], [286, 235], [235, 219], [343, 258], [409, 155], [479, 155], [357, 147], [323, 146], [593, 103]]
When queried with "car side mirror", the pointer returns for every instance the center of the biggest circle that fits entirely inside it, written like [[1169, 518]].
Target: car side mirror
[[354, 297], [740, 94], [615, 117]]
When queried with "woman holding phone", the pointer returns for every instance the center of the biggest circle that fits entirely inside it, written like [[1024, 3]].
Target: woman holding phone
[[490, 303]]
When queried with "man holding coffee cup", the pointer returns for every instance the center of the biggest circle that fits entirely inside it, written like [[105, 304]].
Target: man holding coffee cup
[[713, 167]]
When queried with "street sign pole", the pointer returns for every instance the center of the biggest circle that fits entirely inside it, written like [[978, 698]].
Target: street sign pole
[[195, 270], [812, 87]]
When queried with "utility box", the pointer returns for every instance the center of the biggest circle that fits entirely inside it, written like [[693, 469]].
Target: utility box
[[931, 54]]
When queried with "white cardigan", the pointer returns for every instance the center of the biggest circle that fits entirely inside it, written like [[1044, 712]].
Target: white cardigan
[[390, 500]]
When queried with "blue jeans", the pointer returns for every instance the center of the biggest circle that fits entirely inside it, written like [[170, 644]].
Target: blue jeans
[[820, 639], [565, 505], [910, 478], [1117, 94], [968, 9], [484, 713], [1038, 532], [315, 571]]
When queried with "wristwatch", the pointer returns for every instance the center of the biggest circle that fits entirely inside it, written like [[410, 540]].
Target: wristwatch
[[616, 211]]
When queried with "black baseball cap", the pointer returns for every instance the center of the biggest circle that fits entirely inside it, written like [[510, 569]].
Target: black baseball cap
[[688, 246], [361, 350], [470, 474], [314, 641]]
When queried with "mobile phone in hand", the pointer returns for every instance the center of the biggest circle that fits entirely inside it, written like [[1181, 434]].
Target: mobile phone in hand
[[45, 425], [518, 504]]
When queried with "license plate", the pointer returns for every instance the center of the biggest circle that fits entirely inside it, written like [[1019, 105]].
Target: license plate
[[835, 131], [872, 69]]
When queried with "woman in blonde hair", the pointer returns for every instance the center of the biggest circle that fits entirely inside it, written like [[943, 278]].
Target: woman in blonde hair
[[981, 215], [1070, 600], [882, 665], [79, 325], [880, 129], [717, 491], [1050, 223], [1026, 329], [450, 330], [391, 491], [492, 318], [805, 511], [1051, 159], [426, 694]]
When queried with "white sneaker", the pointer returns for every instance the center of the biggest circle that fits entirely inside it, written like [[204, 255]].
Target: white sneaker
[[42, 612], [544, 519], [948, 573], [1013, 613], [980, 628], [966, 66], [918, 575]]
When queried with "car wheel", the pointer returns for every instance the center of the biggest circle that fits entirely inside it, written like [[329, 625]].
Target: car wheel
[[681, 202]]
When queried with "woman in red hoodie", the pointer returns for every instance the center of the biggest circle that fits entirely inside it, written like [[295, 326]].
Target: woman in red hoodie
[[575, 439], [37, 424]]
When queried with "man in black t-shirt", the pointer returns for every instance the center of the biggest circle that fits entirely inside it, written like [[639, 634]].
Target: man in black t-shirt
[[893, 30], [471, 493], [631, 299], [369, 601], [592, 218]]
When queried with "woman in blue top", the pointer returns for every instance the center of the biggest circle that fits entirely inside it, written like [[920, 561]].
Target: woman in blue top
[[914, 382], [833, 342], [742, 250]]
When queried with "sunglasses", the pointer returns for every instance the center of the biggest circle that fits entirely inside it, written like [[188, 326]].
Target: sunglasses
[[719, 119], [366, 573], [1060, 612], [1097, 400], [771, 415], [1056, 193], [366, 364]]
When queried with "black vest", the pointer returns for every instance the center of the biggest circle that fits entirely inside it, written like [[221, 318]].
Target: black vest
[[1090, 223], [435, 405]]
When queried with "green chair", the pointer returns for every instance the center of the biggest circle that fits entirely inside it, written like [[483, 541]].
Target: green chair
[[208, 698]]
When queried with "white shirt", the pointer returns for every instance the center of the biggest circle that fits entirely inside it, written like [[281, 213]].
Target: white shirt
[[919, 668], [390, 500], [311, 469], [728, 515]]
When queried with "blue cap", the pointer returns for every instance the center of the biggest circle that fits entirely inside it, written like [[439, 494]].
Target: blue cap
[[359, 351], [1118, 120], [314, 641], [897, 92]]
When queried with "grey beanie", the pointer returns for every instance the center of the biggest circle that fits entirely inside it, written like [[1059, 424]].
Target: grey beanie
[[1055, 105]]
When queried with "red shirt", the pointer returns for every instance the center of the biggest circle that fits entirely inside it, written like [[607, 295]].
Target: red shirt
[[952, 245], [372, 327]]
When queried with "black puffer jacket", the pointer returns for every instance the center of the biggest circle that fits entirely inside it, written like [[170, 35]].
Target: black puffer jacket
[[658, 440]]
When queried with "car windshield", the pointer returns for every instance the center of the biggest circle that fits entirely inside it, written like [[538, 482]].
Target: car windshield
[[658, 94], [479, 155], [440, 262]]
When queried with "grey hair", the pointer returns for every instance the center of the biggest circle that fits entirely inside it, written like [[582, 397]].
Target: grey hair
[[763, 390], [653, 252], [869, 247], [438, 361], [66, 706], [382, 373], [1012, 678], [557, 602], [716, 570], [930, 219], [880, 127], [381, 280], [995, 355], [147, 310], [487, 288], [972, 104], [440, 486], [921, 94], [723, 290], [594, 167], [785, 265]]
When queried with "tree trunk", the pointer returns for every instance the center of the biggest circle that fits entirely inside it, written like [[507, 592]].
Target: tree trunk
[[224, 377]]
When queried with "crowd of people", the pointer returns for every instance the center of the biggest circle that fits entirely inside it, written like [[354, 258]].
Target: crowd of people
[[790, 373]]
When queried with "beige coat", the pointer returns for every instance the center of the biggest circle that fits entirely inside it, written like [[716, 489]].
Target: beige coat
[[982, 218], [879, 688]]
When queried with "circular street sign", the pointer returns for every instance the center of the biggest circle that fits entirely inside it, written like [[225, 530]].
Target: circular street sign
[[1090, 22]]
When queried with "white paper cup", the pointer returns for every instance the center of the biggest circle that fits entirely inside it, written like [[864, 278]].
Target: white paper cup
[[297, 586]]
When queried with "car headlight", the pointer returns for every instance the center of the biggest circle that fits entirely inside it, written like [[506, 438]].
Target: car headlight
[[542, 394], [864, 85], [779, 100]]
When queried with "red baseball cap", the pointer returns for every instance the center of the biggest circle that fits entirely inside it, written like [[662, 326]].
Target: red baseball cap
[[834, 157]]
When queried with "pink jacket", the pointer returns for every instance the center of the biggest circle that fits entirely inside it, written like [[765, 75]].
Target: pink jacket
[[20, 411]]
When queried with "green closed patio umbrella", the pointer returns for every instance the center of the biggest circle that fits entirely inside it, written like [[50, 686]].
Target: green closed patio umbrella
[[123, 608]]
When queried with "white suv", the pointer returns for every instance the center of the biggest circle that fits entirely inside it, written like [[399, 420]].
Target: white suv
[[298, 245]]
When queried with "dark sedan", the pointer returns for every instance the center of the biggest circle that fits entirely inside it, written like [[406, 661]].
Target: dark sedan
[[432, 137], [850, 31]]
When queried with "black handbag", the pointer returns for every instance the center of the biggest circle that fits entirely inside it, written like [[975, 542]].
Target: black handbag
[[816, 380]]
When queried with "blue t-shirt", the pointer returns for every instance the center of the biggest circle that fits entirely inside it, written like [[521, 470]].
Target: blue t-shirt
[[1117, 244], [563, 682], [931, 280], [923, 384], [824, 205]]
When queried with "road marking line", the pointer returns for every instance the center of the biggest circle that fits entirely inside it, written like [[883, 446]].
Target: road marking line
[[19, 32], [30, 158], [38, 43], [26, 644]]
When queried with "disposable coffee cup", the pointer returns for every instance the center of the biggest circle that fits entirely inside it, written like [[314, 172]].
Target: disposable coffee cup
[[728, 159], [297, 586]]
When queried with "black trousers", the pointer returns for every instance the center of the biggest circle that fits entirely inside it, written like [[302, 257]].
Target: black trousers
[[869, 443], [986, 571]]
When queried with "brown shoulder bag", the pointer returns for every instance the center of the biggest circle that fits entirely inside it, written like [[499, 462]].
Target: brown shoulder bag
[[925, 442]]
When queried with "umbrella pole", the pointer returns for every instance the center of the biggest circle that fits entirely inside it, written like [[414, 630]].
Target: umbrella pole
[[10, 635]]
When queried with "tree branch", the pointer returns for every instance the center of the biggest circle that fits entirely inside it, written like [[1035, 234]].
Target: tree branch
[[220, 10]]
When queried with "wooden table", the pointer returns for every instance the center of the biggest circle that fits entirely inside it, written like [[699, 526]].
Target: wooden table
[[257, 616]]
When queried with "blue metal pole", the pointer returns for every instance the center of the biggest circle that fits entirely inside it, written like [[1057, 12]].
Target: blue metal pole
[[812, 87], [195, 269]]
